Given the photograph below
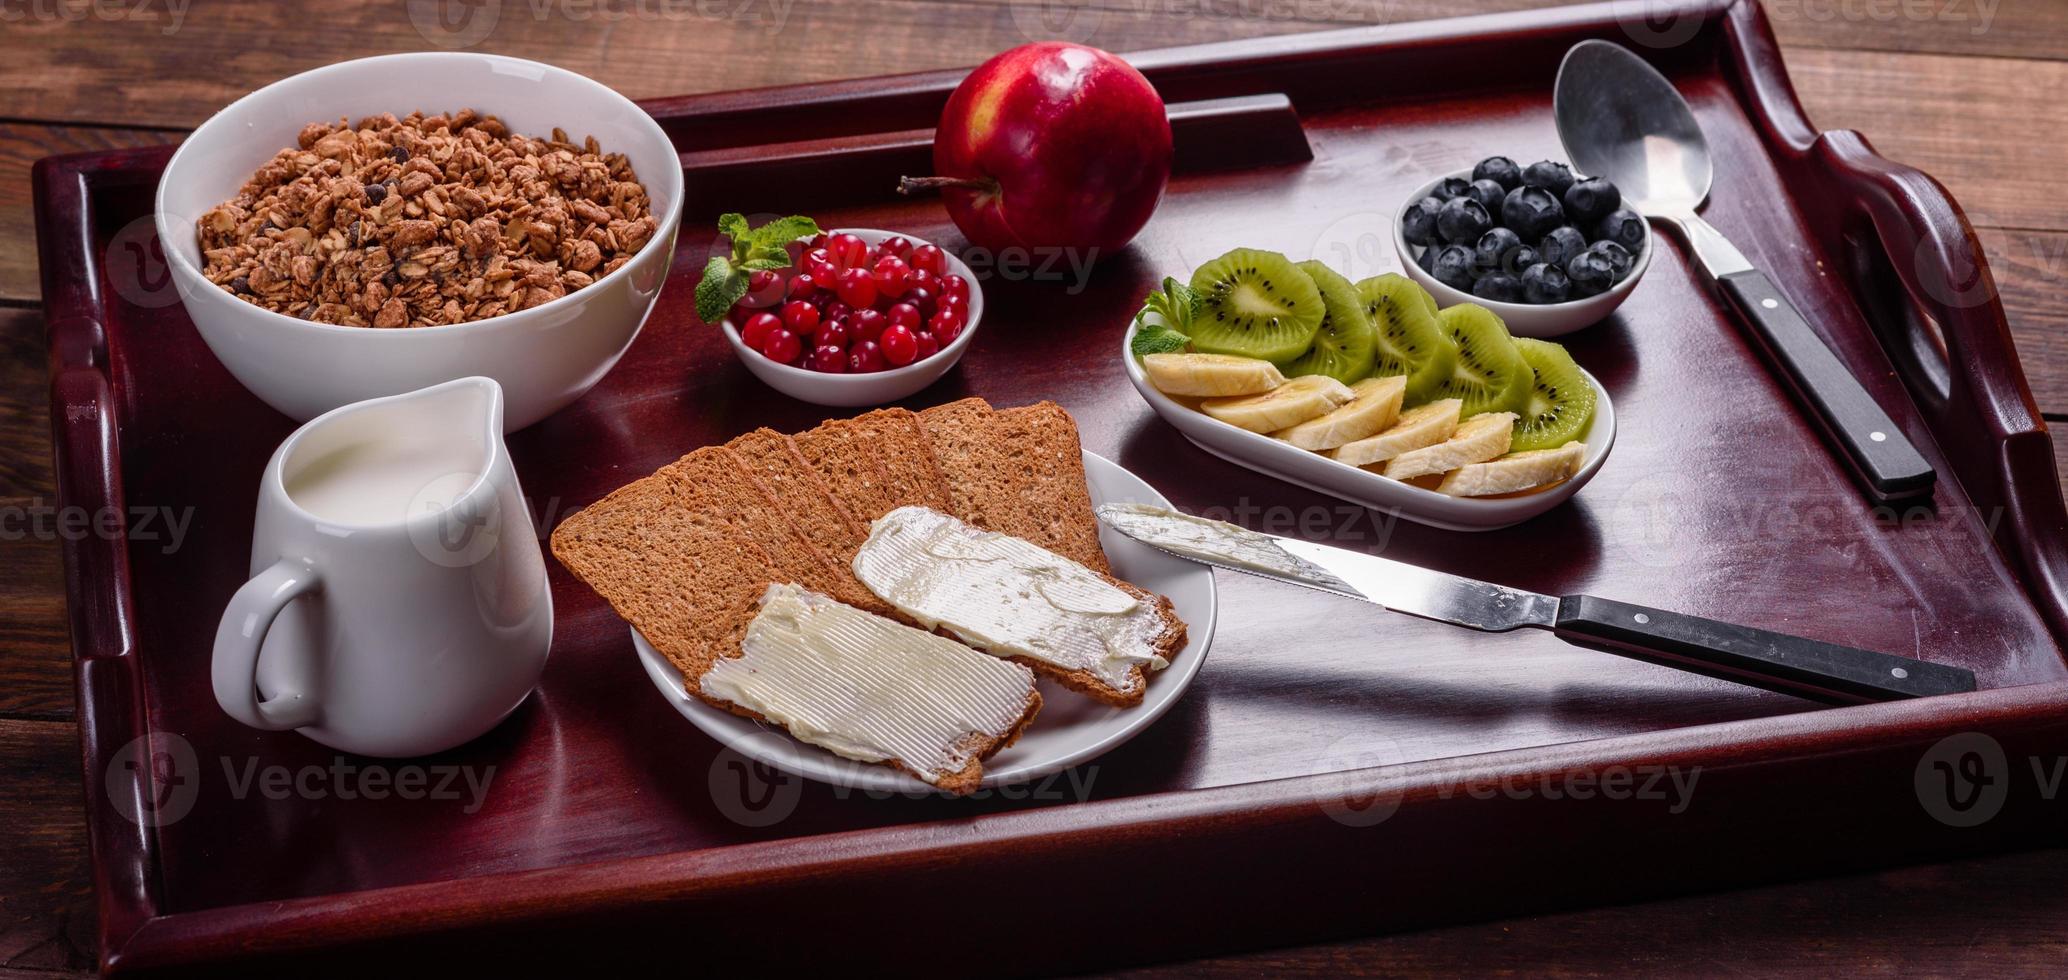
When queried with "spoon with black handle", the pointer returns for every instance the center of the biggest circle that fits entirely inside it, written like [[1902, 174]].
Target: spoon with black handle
[[1621, 120]]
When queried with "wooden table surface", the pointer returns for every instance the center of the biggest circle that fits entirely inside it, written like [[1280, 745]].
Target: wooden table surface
[[1971, 91]]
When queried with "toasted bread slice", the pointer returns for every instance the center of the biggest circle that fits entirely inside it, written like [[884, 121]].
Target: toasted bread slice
[[714, 480], [875, 463], [684, 578], [997, 592], [1019, 471], [797, 489], [868, 688]]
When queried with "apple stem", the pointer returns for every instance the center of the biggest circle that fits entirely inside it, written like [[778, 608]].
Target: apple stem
[[913, 185]]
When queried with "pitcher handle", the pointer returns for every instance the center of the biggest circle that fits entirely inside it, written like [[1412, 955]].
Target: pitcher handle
[[240, 636]]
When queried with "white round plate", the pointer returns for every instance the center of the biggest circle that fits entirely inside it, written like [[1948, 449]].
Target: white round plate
[[1070, 730]]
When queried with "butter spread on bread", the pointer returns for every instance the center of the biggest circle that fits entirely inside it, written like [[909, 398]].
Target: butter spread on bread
[[1011, 598], [867, 688]]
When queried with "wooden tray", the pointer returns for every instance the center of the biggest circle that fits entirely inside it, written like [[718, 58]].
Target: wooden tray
[[613, 832]]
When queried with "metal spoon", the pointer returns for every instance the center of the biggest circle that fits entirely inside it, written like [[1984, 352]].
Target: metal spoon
[[1622, 120]]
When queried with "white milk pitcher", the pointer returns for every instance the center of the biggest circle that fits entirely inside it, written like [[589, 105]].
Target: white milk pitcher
[[398, 603]]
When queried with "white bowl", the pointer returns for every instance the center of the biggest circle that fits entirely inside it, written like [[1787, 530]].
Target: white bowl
[[544, 357], [876, 388], [1276, 457], [1523, 319]]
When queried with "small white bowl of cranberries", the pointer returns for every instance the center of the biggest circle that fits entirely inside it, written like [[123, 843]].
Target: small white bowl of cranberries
[[861, 317]]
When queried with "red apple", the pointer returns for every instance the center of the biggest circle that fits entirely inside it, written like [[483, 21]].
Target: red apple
[[1051, 145]]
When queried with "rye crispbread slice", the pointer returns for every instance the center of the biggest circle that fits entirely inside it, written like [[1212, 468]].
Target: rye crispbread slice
[[958, 782], [797, 489], [875, 463], [714, 479], [1018, 471], [687, 580]]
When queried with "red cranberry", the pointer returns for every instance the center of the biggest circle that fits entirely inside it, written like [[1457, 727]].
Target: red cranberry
[[856, 288], [800, 316], [867, 325], [755, 333], [900, 347], [781, 346], [928, 346], [830, 359], [865, 357]]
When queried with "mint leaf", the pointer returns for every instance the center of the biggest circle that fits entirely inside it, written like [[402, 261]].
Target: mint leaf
[[765, 262], [722, 286], [1157, 339], [782, 231], [733, 225]]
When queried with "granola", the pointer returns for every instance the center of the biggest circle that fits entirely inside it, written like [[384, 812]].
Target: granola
[[423, 221]]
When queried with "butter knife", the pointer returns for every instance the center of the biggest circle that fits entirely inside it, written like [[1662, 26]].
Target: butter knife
[[1794, 665]]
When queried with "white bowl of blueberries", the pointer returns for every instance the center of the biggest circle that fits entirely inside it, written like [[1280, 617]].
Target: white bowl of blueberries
[[1547, 251]]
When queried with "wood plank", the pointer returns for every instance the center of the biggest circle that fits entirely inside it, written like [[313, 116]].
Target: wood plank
[[21, 145], [35, 646], [1998, 916], [162, 72], [46, 883]]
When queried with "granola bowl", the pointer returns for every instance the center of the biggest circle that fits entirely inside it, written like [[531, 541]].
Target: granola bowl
[[564, 328]]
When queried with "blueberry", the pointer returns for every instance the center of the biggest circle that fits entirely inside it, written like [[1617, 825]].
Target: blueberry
[[1493, 247], [1488, 193], [1450, 187], [1532, 211], [1462, 220], [1590, 200], [1499, 287], [1561, 244], [1545, 283], [1418, 226], [1591, 272], [1500, 170], [1624, 227], [1427, 260], [1453, 267], [1553, 177], [1619, 258]]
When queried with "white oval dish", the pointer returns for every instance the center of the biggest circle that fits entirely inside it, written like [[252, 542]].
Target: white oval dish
[[1071, 729], [544, 357], [1523, 319], [875, 388], [1276, 457]]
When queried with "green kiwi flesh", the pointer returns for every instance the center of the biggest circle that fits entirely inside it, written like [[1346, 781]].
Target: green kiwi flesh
[[1560, 405], [1344, 346], [1254, 303], [1409, 341], [1490, 374]]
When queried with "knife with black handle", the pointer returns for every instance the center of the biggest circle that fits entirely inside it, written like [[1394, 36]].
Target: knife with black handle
[[1806, 668]]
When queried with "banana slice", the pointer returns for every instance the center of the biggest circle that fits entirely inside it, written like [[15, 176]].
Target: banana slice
[[1210, 375], [1478, 439], [1287, 405], [1376, 406], [1425, 425], [1514, 472]]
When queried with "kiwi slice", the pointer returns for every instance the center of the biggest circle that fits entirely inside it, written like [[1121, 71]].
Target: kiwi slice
[[1490, 374], [1409, 341], [1560, 405], [1344, 346], [1254, 303]]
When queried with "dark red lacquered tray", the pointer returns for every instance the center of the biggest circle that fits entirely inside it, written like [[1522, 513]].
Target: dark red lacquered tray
[[612, 831]]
